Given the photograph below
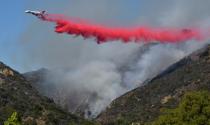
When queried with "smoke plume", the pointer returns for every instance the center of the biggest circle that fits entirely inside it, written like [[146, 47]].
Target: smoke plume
[[89, 76]]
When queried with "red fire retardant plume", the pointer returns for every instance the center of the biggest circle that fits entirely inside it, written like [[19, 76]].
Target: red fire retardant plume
[[104, 34]]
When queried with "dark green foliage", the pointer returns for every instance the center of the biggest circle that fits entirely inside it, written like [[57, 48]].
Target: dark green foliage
[[194, 109], [121, 121]]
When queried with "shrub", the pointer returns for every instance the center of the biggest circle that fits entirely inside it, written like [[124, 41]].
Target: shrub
[[13, 120], [194, 109]]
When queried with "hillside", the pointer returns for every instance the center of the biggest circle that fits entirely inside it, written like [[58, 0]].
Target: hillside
[[17, 95], [164, 91]]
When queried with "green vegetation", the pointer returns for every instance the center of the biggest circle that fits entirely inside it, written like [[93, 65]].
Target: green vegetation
[[121, 121], [13, 120], [194, 109]]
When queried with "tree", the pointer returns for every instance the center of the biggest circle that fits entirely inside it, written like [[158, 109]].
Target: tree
[[194, 109]]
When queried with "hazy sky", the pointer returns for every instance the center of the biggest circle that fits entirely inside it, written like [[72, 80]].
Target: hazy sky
[[14, 21]]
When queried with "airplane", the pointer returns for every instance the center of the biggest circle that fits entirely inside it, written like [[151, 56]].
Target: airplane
[[39, 14]]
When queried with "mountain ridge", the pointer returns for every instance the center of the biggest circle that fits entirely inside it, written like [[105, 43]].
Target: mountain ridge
[[144, 103]]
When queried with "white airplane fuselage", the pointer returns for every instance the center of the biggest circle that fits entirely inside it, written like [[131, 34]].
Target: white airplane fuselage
[[39, 14]]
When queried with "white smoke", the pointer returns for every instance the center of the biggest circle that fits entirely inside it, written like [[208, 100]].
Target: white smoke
[[96, 84], [97, 74], [156, 60]]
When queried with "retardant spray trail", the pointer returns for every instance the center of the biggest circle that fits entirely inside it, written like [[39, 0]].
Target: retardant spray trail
[[106, 34]]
